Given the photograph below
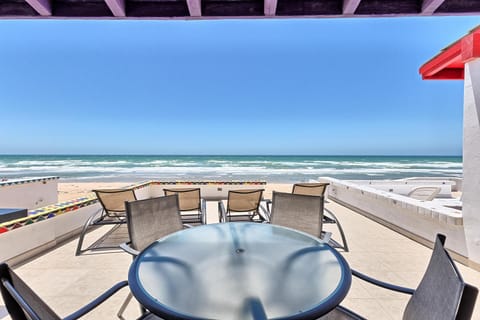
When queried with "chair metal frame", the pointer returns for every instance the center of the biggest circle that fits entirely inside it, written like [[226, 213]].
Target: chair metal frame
[[107, 217], [464, 309], [19, 308]]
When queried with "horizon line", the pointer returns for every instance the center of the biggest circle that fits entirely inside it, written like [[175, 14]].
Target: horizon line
[[230, 155]]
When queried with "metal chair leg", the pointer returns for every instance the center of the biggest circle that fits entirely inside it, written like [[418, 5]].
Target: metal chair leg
[[124, 306], [87, 224], [342, 234]]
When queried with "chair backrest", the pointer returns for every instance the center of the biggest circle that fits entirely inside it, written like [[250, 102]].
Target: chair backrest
[[310, 189], [21, 302], [441, 294], [151, 219], [245, 200], [300, 212], [424, 193], [113, 200], [188, 198]]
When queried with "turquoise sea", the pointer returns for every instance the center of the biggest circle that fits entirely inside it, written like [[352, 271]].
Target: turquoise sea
[[269, 168]]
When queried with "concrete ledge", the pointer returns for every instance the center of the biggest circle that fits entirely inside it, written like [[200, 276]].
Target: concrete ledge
[[419, 220], [403, 187]]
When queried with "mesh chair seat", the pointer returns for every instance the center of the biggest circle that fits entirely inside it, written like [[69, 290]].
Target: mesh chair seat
[[149, 220], [192, 206], [300, 212], [318, 189], [113, 213]]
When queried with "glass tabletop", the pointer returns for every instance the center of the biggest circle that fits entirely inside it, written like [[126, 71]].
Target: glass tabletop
[[239, 271]]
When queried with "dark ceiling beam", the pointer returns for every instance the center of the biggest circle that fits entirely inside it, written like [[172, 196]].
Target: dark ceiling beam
[[195, 8], [349, 6], [117, 7], [430, 6], [43, 7], [270, 7]]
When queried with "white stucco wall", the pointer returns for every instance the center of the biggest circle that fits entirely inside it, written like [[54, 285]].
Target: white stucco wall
[[29, 195], [209, 192], [471, 159], [33, 238], [423, 219], [405, 186]]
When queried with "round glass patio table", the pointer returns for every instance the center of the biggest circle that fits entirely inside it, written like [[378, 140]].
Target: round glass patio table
[[239, 271]]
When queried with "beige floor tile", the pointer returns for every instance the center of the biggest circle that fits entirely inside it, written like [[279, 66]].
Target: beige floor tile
[[67, 282]]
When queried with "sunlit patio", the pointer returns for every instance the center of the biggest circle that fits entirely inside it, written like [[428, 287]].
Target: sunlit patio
[[67, 282]]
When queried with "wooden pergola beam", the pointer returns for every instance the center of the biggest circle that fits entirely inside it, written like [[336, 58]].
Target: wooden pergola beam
[[117, 7], [349, 6], [43, 7], [430, 6], [270, 7], [195, 8]]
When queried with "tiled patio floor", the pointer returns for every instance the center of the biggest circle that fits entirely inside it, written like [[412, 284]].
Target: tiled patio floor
[[67, 282]]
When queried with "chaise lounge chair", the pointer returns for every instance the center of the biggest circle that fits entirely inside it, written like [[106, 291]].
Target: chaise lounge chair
[[243, 205], [112, 213], [192, 206]]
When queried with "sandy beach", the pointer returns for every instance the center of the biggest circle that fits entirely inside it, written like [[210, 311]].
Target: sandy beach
[[73, 190]]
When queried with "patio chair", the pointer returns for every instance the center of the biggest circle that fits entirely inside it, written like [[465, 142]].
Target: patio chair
[[192, 206], [112, 213], [441, 295], [318, 189], [23, 303], [299, 212], [243, 205], [147, 221], [424, 193]]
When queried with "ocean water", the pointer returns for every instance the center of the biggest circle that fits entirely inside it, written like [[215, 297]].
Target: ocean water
[[270, 168]]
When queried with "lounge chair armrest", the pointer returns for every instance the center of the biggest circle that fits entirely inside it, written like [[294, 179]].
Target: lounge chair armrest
[[222, 215], [264, 213], [186, 226], [126, 247], [329, 213], [95, 303], [204, 210], [382, 284], [268, 202]]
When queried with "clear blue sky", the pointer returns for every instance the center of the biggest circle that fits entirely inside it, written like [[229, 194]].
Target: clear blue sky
[[325, 86]]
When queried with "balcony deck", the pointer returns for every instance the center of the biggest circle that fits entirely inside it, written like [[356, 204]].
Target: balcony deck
[[67, 282]]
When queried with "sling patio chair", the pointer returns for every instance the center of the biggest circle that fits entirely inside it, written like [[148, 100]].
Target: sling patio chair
[[192, 206], [318, 189], [441, 295], [147, 221], [299, 212], [112, 213], [243, 205], [22, 303]]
